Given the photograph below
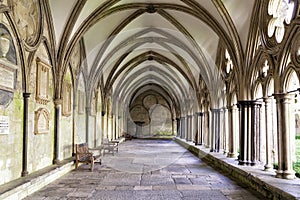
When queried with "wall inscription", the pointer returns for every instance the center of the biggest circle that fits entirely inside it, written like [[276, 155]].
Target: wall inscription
[[4, 124], [7, 78]]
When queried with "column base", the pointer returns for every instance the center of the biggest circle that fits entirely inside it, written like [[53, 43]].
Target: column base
[[279, 174], [242, 162], [57, 161], [231, 155], [268, 167], [289, 174], [24, 173]]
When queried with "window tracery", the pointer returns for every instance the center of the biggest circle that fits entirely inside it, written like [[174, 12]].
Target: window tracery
[[228, 62], [282, 11]]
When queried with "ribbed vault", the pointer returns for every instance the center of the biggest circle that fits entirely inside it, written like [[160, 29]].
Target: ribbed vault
[[166, 46]]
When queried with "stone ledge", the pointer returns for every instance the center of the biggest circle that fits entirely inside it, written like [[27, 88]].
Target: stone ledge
[[25, 186], [254, 177]]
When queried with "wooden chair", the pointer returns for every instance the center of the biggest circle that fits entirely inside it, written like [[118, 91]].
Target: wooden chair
[[83, 155]]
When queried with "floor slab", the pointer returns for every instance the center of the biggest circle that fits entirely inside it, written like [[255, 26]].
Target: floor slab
[[146, 169]]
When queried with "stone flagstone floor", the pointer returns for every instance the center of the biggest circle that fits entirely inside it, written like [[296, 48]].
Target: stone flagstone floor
[[145, 169]]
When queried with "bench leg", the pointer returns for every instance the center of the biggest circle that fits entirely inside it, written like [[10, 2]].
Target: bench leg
[[76, 164]]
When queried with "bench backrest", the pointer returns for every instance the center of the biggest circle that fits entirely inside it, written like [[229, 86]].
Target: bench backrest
[[82, 148]]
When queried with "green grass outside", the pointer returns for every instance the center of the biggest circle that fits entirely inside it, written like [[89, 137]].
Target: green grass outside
[[296, 165]]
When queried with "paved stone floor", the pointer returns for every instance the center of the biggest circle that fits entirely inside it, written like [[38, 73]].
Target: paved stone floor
[[145, 169]]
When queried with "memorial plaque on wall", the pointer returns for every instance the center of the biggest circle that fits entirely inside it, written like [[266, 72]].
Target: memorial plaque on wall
[[7, 81], [8, 67], [41, 121], [4, 124]]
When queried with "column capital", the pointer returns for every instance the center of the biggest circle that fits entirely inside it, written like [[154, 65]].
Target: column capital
[[57, 102], [215, 110], [88, 110], [267, 99], [103, 113], [199, 114], [26, 95], [279, 96]]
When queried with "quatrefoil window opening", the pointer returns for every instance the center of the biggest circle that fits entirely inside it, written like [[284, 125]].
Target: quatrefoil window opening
[[229, 65], [265, 69], [282, 11]]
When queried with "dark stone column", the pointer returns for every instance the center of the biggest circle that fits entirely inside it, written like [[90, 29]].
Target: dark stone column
[[244, 131], [201, 133], [178, 127], [87, 121], [26, 97], [249, 131], [285, 167], [197, 127], [103, 125], [218, 130], [58, 104]]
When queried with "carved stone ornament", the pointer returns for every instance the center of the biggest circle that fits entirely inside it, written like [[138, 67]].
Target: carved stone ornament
[[42, 82], [81, 102], [27, 17], [41, 121]]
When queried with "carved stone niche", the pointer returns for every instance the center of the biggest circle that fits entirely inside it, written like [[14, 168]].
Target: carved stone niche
[[42, 82], [41, 121], [8, 67], [67, 99]]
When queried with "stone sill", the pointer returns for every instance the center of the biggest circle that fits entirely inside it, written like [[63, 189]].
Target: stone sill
[[24, 186], [254, 177]]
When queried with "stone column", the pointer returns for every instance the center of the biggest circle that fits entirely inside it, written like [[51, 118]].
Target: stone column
[[207, 129], [103, 126], [197, 128], [268, 121], [184, 127], [73, 127], [139, 128], [201, 114], [178, 127], [215, 130], [285, 167], [189, 128], [26, 97], [232, 122], [224, 122], [182, 132], [58, 105], [255, 122], [244, 131], [87, 123]]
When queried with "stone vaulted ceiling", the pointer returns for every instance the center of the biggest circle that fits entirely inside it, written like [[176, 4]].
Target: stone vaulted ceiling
[[164, 45]]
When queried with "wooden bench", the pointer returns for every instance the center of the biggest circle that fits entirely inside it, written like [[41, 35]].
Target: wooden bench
[[84, 155], [110, 146]]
